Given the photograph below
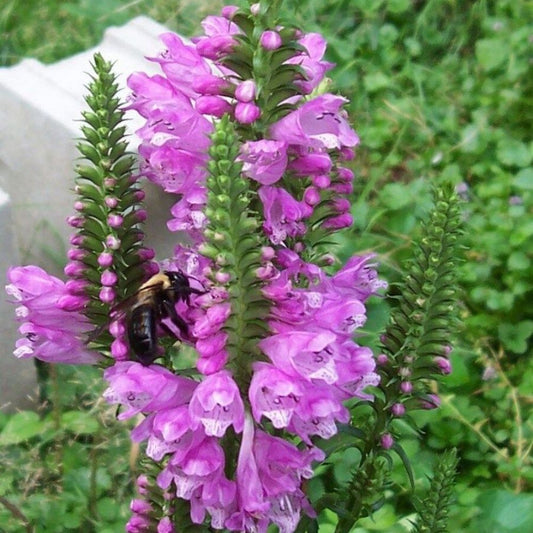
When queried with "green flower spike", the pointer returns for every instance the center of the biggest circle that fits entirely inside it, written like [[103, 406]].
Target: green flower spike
[[234, 243], [108, 260]]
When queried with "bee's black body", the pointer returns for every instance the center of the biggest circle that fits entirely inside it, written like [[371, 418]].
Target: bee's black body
[[155, 301]]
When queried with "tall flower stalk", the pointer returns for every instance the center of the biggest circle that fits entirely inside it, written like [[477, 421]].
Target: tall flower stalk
[[256, 156]]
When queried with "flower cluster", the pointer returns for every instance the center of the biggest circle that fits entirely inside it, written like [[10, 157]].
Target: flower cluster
[[53, 327], [285, 168], [314, 363]]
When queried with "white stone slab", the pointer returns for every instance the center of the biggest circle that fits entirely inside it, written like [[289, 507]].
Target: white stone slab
[[40, 110]]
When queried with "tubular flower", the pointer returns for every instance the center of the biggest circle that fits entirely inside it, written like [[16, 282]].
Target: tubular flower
[[53, 327]]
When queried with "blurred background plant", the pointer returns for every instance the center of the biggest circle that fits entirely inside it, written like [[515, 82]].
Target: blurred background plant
[[438, 91]]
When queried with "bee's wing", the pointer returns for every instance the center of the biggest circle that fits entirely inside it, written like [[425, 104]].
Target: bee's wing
[[120, 309]]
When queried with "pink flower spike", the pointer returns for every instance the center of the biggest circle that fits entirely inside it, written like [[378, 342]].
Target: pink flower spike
[[216, 404], [270, 40], [246, 112]]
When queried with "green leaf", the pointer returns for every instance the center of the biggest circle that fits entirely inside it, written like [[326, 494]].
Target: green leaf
[[518, 261], [395, 196], [21, 427], [505, 512], [375, 81], [79, 422], [511, 152], [524, 179], [491, 53], [398, 6], [514, 337]]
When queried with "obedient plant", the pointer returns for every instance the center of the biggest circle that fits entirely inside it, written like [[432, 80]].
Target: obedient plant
[[238, 129]]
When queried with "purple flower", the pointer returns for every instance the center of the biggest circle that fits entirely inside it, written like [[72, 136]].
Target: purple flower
[[189, 214], [311, 62], [181, 63], [197, 464], [264, 161], [311, 163], [218, 39], [165, 526], [274, 394], [145, 389], [216, 404], [283, 214], [53, 327], [302, 354], [319, 123]]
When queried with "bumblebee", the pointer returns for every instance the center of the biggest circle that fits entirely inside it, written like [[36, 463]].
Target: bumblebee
[[149, 306]]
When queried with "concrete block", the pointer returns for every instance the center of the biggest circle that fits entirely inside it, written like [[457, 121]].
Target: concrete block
[[40, 109], [18, 384]]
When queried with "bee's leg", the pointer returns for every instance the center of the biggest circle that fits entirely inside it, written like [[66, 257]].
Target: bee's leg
[[170, 312]]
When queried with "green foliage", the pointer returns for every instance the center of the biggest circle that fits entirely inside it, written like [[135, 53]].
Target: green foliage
[[62, 469]]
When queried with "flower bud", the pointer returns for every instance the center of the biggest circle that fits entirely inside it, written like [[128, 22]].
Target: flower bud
[[119, 350], [74, 269], [108, 278], [398, 409], [75, 254], [246, 91], [311, 196], [115, 221], [112, 242], [208, 84], [222, 277], [322, 181], [387, 441], [246, 112], [107, 295], [228, 11], [111, 202], [212, 105], [406, 387], [443, 364], [75, 221], [270, 40], [105, 259]]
